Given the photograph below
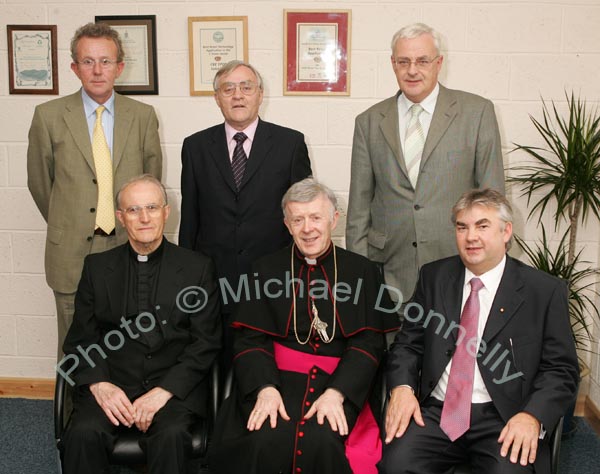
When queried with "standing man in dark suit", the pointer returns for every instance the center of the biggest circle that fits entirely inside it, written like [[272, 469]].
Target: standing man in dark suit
[[233, 178], [145, 333], [484, 365], [413, 154], [82, 148]]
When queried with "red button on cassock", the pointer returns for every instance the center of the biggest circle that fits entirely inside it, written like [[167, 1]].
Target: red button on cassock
[[311, 390], [299, 453], [301, 434]]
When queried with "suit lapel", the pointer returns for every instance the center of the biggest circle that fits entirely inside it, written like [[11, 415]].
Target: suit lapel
[[508, 299], [446, 109], [76, 122], [220, 155], [453, 292], [389, 126], [261, 146], [121, 128], [170, 283], [116, 276]]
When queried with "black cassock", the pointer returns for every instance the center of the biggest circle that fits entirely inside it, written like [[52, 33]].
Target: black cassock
[[264, 319]]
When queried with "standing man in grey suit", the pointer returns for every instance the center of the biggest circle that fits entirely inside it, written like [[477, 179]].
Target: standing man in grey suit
[[233, 178], [413, 154], [82, 148]]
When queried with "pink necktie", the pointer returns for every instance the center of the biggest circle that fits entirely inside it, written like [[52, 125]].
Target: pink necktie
[[456, 413]]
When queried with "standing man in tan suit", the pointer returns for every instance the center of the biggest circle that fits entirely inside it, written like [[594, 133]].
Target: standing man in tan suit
[[82, 148], [412, 154]]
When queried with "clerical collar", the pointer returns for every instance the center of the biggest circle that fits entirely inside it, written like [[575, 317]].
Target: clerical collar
[[313, 261], [151, 257]]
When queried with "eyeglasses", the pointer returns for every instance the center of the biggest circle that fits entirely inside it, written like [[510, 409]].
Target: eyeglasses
[[420, 63], [227, 89], [151, 209], [89, 63]]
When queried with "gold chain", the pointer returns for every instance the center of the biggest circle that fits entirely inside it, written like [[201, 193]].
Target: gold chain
[[316, 322]]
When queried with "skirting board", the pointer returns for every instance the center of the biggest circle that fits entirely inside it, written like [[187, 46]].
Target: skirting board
[[39, 389]]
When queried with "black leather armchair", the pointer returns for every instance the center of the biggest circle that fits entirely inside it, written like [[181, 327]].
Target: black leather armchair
[[127, 450]]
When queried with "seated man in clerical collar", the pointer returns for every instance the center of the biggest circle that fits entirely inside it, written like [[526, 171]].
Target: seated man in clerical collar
[[139, 348], [308, 339]]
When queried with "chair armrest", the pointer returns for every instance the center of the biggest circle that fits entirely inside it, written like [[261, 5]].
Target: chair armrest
[[214, 386], [555, 442], [59, 407]]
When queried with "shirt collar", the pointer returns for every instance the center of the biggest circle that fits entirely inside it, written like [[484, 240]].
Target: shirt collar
[[250, 131], [490, 279], [428, 103], [319, 259], [90, 105]]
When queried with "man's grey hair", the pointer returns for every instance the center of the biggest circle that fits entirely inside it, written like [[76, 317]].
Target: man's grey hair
[[144, 178], [97, 30], [232, 66], [415, 30], [488, 198], [308, 190]]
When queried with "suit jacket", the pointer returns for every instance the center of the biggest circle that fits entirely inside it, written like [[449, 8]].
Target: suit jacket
[[62, 179], [401, 227], [190, 339], [235, 228], [527, 331]]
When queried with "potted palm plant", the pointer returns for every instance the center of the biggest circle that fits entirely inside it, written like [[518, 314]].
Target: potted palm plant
[[565, 173]]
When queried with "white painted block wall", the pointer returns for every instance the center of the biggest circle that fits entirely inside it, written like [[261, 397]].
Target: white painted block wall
[[511, 52]]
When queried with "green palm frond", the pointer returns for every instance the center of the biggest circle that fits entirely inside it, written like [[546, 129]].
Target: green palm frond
[[580, 285]]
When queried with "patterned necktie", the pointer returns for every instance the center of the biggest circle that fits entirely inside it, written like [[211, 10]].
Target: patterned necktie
[[413, 144], [238, 162], [105, 210], [456, 413]]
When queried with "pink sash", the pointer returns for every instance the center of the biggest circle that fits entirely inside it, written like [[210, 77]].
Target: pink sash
[[363, 445]]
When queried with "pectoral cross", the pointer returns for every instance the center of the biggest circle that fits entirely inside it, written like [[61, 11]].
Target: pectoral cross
[[320, 326]]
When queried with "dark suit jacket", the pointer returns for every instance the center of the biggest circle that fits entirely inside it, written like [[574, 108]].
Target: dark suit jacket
[[530, 308], [235, 228], [62, 178], [402, 227], [190, 339]]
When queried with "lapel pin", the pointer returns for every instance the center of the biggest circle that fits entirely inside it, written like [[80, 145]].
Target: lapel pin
[[502, 310]]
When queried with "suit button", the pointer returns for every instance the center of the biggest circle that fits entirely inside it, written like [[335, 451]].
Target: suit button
[[431, 384], [414, 244], [449, 352], [417, 207], [148, 356], [92, 209], [90, 238], [95, 181], [146, 382]]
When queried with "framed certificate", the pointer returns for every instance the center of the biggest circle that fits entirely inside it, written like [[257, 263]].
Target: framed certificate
[[213, 42], [317, 52], [138, 36], [32, 65]]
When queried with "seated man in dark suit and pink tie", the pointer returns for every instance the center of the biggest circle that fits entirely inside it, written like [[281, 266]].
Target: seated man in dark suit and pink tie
[[484, 365]]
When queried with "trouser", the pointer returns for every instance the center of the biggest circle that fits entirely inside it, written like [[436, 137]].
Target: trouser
[[90, 437]]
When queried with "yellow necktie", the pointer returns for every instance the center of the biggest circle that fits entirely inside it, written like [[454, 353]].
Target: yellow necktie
[[105, 210]]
